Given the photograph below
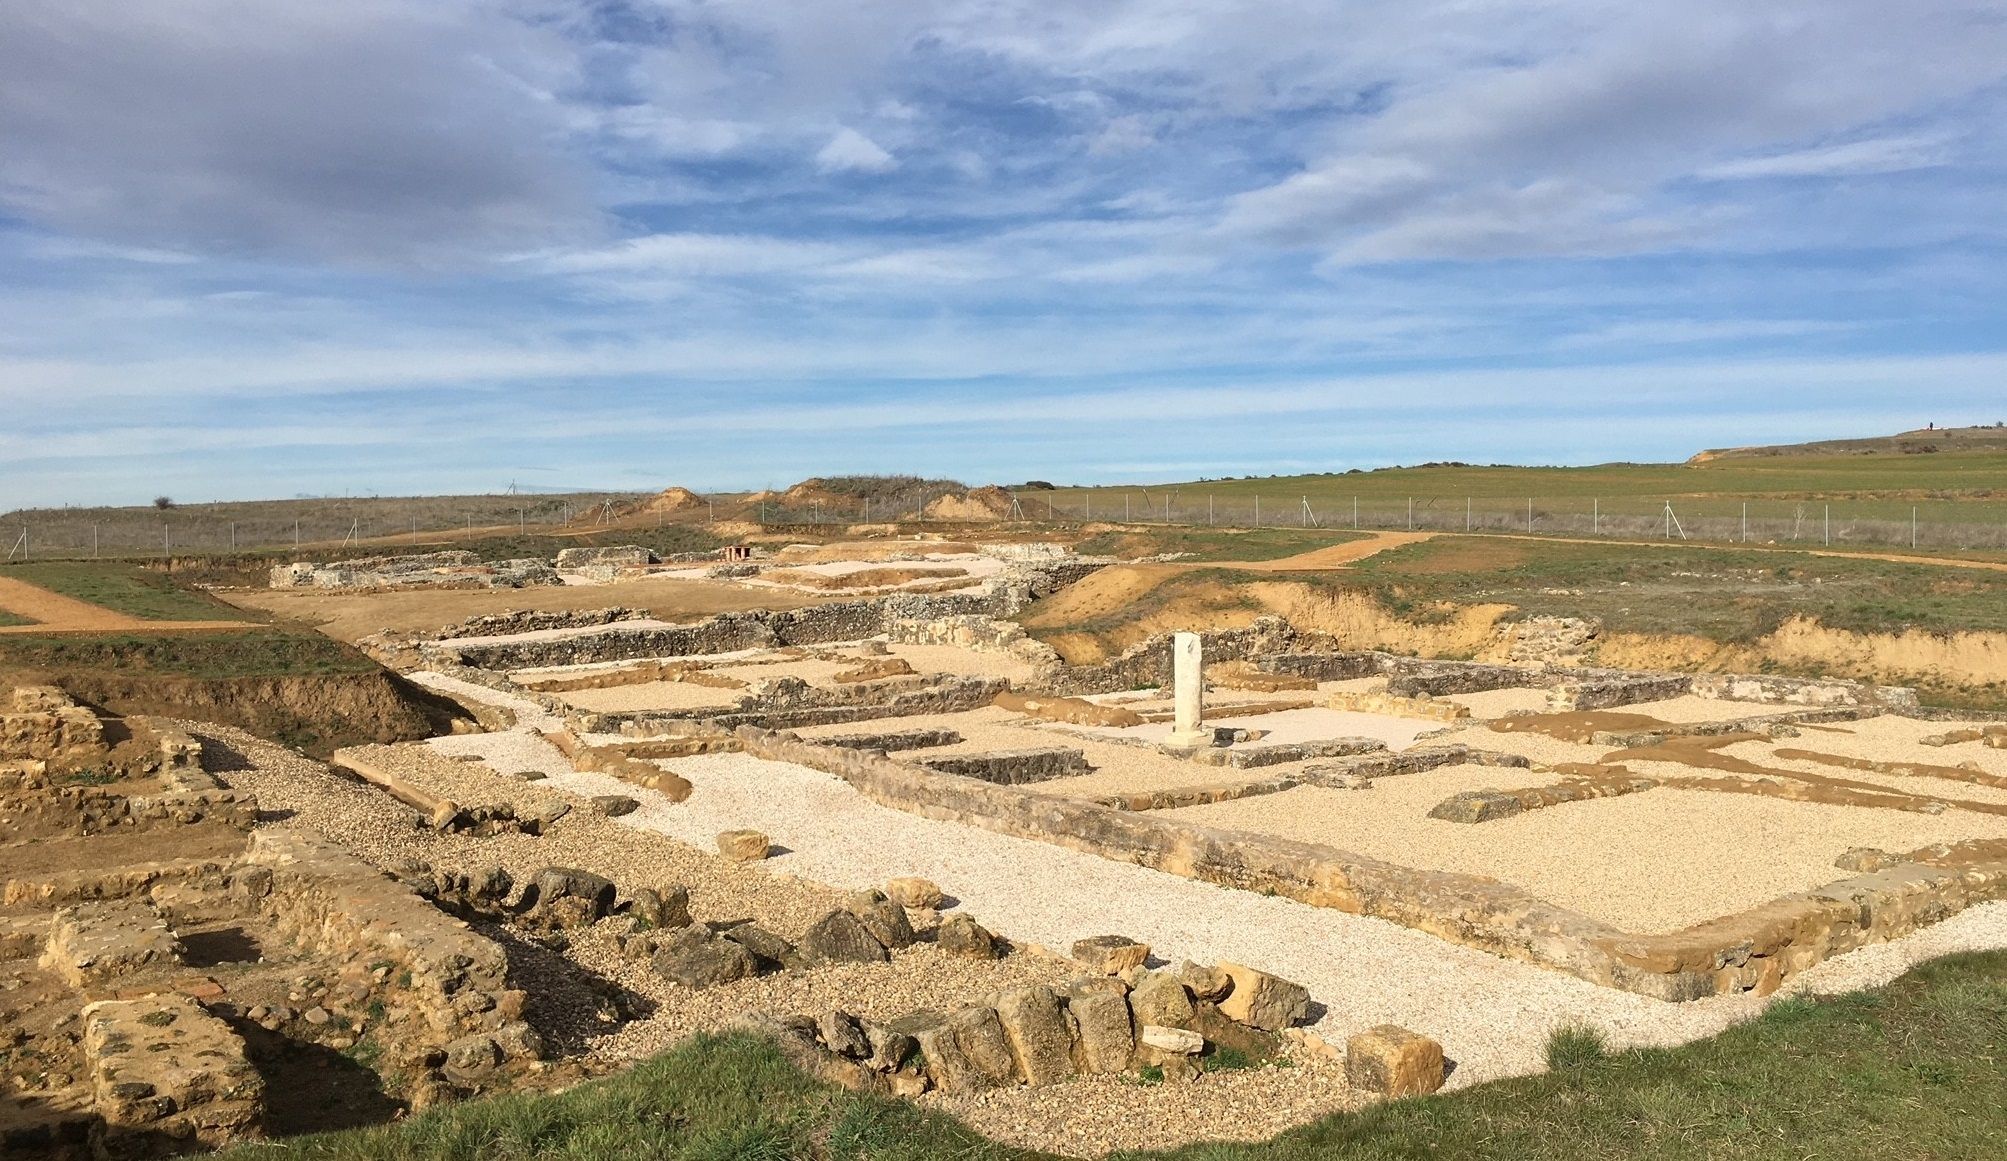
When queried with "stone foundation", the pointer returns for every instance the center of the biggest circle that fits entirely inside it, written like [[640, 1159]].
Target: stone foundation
[[168, 1076]]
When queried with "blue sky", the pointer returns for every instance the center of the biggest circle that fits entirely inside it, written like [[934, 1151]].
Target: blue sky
[[257, 248]]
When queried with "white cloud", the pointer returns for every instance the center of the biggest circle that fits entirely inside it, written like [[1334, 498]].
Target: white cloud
[[1877, 155], [851, 150]]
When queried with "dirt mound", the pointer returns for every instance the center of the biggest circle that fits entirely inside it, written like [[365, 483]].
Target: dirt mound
[[812, 493], [671, 500], [317, 713], [1923, 441], [986, 503]]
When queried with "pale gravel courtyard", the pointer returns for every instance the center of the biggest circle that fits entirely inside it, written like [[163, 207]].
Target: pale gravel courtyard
[[1492, 1015]]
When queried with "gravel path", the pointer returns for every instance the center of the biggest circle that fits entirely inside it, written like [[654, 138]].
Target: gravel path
[[1492, 1015]]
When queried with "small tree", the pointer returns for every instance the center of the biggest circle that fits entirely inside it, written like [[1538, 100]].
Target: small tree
[[163, 502]]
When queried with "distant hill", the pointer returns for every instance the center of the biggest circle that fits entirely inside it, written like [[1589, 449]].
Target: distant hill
[[1922, 441]]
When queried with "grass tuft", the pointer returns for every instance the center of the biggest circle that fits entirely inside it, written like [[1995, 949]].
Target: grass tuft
[[1575, 1046]]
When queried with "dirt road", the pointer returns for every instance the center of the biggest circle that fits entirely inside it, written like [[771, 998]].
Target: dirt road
[[53, 612]]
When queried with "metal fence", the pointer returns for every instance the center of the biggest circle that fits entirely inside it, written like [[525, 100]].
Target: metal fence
[[1957, 525]]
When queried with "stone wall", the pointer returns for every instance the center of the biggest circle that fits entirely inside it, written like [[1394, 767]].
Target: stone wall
[[1801, 691], [1149, 663], [168, 1076], [445, 990], [1606, 689], [1752, 951]]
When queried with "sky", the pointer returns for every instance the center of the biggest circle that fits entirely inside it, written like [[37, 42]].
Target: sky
[[266, 248]]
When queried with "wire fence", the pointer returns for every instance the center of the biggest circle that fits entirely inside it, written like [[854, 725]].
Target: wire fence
[[1942, 525]]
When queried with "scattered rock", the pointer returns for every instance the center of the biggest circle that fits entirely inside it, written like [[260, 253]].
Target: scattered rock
[[1205, 983], [967, 1052], [961, 935], [695, 958], [615, 805], [556, 883], [1864, 859], [1474, 806], [1182, 1041], [1393, 1062], [744, 846], [1110, 954], [884, 919], [1104, 1039], [890, 1047], [657, 910], [841, 1035], [769, 949], [913, 891], [839, 937], [1268, 1002]]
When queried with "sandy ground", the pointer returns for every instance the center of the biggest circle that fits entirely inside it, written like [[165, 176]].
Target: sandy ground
[[1496, 703], [1299, 725], [350, 616], [53, 612], [1655, 861]]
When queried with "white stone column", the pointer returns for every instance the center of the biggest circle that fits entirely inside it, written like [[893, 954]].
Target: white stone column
[[1188, 686]]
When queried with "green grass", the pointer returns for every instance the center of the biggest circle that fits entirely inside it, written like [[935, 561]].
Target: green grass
[[125, 588], [8, 619], [1212, 544], [1724, 595], [1916, 1070], [1958, 500], [276, 652]]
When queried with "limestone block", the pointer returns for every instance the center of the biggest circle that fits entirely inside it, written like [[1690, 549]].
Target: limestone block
[[1103, 1037], [840, 1034], [95, 942], [840, 937], [884, 919], [745, 846], [1182, 1041], [1160, 998], [695, 958], [165, 1067], [1205, 983], [967, 1052], [913, 891], [1110, 954], [769, 950], [662, 909], [1040, 1039], [614, 805], [1393, 1062], [1266, 1001], [1477, 806], [963, 936]]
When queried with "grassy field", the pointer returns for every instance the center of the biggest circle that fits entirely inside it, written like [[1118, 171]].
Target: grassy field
[[124, 588], [1211, 543], [1724, 595], [1958, 500], [280, 651], [1912, 1071], [238, 526]]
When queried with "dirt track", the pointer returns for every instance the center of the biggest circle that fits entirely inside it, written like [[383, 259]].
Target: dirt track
[[56, 613]]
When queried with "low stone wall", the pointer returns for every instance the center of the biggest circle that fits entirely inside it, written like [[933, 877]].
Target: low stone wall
[[168, 1076], [455, 569], [1611, 688], [1149, 663], [446, 993], [624, 554], [1326, 666], [42, 723], [790, 703], [1414, 677], [1752, 951], [1013, 767], [975, 632], [1801, 691], [536, 620], [1425, 708]]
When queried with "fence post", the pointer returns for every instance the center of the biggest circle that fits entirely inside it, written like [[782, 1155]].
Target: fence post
[[1596, 516], [1209, 509], [1355, 513], [1411, 513], [94, 542], [1466, 513], [1829, 525], [1529, 513], [1745, 521], [1257, 509], [1912, 528]]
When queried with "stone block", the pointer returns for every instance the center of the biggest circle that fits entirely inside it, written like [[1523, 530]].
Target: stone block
[[1040, 1039], [1265, 1001], [840, 937], [1160, 998], [913, 891], [963, 936], [1110, 954], [884, 919], [615, 805], [1181, 1041], [744, 846], [1473, 806], [696, 958], [967, 1052], [164, 1068], [97, 942], [1104, 1039], [1393, 1062]]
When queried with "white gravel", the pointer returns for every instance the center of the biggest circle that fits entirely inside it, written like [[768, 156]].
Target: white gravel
[[1492, 1015]]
